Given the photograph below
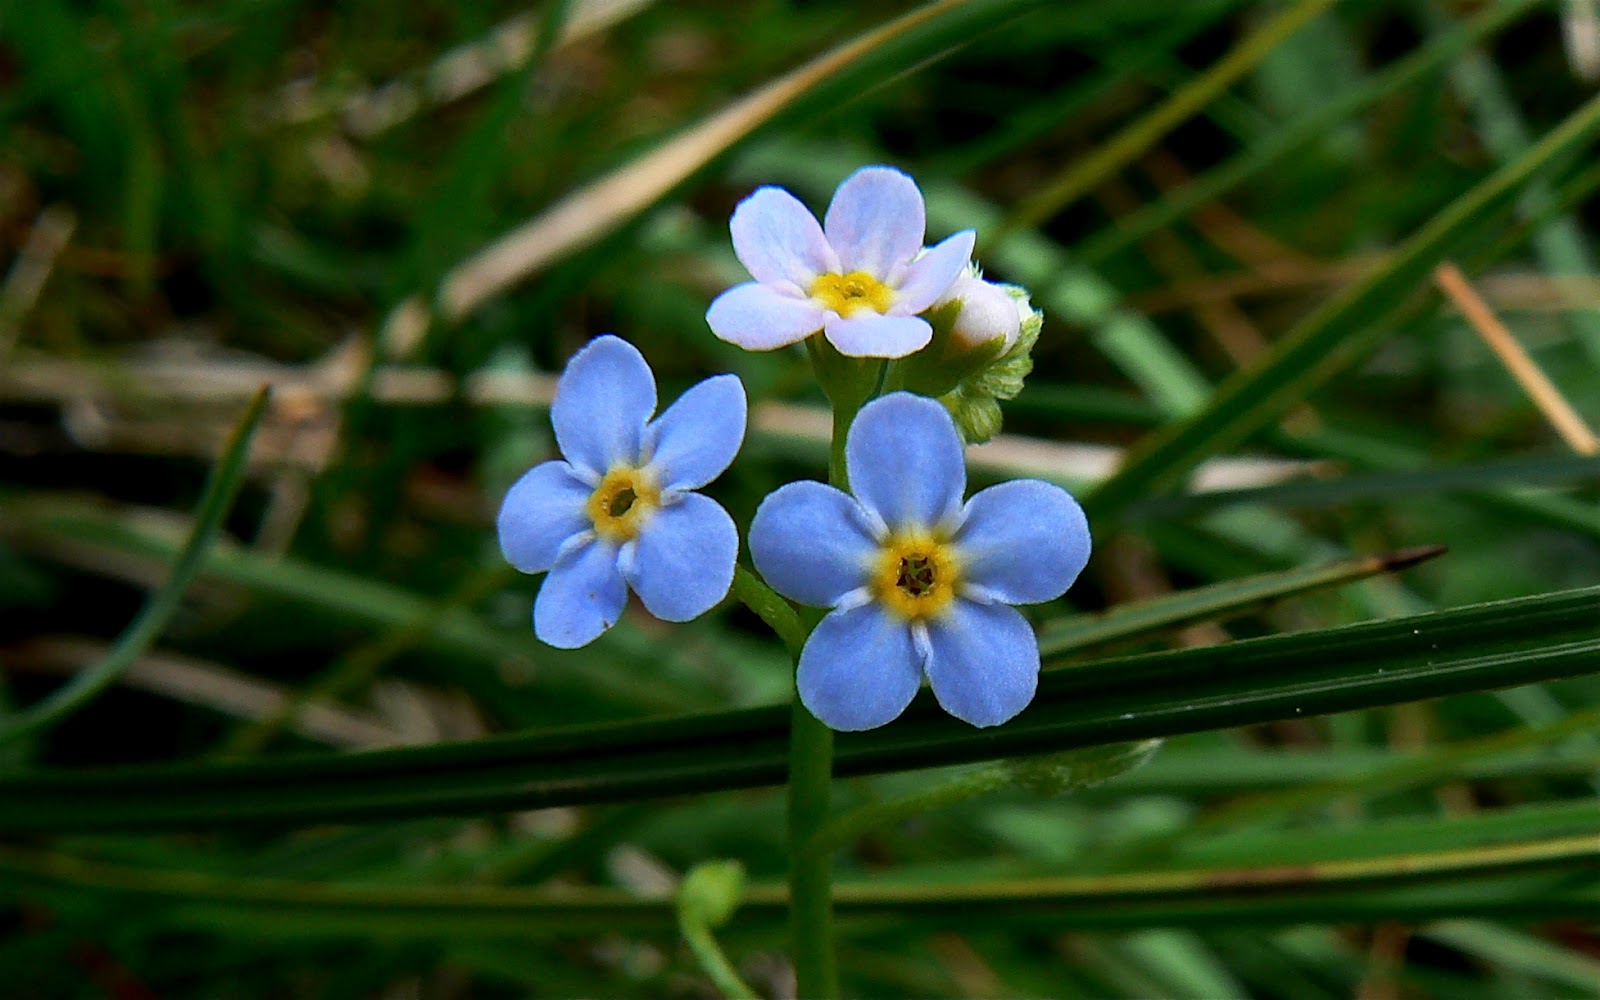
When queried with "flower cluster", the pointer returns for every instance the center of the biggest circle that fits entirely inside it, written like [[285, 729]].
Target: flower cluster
[[918, 582]]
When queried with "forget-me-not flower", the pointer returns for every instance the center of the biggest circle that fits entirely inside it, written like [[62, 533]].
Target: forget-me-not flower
[[919, 583], [619, 512], [861, 277]]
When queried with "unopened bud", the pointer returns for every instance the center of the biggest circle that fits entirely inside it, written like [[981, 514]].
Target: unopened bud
[[987, 316], [711, 892]]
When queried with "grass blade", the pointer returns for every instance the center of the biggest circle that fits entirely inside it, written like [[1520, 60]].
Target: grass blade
[[1133, 140], [221, 487], [1230, 597], [1428, 884], [1478, 647], [1332, 338]]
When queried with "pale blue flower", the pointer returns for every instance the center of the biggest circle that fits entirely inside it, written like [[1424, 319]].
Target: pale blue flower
[[861, 277], [920, 584], [619, 513]]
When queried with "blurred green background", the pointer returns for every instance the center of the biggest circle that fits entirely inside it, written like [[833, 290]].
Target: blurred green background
[[405, 217]]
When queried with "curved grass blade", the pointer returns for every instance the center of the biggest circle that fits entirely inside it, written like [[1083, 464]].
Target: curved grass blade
[[1332, 338], [1231, 597], [1479, 647], [1544, 877], [222, 485]]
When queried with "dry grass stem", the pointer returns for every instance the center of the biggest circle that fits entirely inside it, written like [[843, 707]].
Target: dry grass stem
[[1517, 361], [160, 396]]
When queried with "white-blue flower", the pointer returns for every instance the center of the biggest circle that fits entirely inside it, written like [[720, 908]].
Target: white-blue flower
[[919, 583], [619, 513], [861, 277]]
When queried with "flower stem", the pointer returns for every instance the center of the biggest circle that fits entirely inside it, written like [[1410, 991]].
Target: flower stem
[[810, 784], [778, 614], [708, 954], [810, 873]]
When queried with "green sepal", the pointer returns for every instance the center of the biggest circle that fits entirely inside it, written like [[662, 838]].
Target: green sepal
[[942, 366], [847, 382]]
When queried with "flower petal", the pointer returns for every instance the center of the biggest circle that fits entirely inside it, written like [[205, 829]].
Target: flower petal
[[811, 543], [582, 597], [984, 667], [778, 240], [931, 275], [859, 669], [684, 561], [905, 461], [1023, 541], [540, 512], [698, 436], [876, 221], [758, 318], [874, 336], [602, 402]]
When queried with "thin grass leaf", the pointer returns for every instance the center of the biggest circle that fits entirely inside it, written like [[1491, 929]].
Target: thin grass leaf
[[1088, 173], [1500, 644], [1514, 473], [1280, 142], [1218, 600], [222, 485], [1526, 874], [442, 627], [1335, 336]]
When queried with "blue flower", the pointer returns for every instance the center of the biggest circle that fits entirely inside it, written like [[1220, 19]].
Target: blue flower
[[919, 583], [619, 513], [861, 277]]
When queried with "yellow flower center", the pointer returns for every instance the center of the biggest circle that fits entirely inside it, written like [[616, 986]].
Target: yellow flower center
[[622, 503], [847, 294], [916, 575]]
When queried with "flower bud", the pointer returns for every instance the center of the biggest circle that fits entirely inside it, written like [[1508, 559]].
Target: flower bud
[[987, 315], [711, 892]]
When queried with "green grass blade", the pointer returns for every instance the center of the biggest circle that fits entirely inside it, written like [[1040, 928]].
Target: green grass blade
[[1335, 336], [222, 485], [1139, 136], [1430, 884], [1215, 771], [1500, 644], [1514, 473], [1309, 128], [454, 631], [1218, 600]]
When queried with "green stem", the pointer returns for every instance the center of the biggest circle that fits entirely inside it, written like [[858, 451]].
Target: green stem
[[778, 614], [703, 945], [810, 873], [810, 783], [222, 485]]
